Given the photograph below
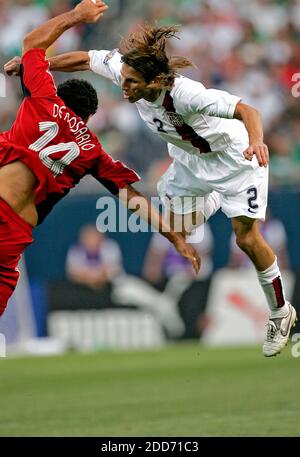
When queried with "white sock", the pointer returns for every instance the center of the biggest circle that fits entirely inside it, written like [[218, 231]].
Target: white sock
[[212, 204], [270, 281]]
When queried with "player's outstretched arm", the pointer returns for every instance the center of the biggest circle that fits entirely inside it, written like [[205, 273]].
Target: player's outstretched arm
[[252, 120], [87, 11], [135, 201], [71, 61]]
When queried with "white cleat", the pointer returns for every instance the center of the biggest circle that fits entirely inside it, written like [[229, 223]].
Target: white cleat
[[278, 331]]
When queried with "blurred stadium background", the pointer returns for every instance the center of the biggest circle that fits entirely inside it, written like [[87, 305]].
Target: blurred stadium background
[[251, 49]]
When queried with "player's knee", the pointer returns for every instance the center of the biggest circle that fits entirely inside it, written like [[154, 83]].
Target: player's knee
[[246, 241]]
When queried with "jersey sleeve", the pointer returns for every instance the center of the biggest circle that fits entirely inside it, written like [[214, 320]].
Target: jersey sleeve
[[113, 174], [37, 80], [195, 98], [107, 64]]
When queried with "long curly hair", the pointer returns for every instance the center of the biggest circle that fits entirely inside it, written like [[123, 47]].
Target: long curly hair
[[145, 51]]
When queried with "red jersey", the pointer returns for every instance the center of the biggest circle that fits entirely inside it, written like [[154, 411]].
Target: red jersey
[[55, 143]]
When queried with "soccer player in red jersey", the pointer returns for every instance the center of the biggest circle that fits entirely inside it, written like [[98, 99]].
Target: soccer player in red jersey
[[49, 149]]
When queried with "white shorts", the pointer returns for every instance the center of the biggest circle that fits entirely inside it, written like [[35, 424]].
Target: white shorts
[[242, 185]]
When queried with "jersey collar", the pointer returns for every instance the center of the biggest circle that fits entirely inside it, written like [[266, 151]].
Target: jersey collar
[[159, 100]]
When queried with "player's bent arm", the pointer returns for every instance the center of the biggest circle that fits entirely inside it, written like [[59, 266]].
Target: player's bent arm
[[45, 35], [135, 201], [71, 61], [252, 120], [253, 123]]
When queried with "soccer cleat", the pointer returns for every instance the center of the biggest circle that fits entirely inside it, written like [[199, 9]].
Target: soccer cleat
[[278, 331]]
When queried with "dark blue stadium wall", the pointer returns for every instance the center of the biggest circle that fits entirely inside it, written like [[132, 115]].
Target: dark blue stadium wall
[[46, 257]]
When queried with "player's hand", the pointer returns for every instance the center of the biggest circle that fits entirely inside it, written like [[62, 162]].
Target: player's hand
[[187, 251], [90, 11], [12, 68], [261, 151]]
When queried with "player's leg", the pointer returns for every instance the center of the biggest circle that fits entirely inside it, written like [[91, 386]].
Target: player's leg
[[188, 200], [250, 240], [8, 282], [212, 204], [245, 208], [190, 222], [283, 315], [15, 236]]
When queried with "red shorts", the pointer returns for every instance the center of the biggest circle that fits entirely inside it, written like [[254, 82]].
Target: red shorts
[[15, 236]]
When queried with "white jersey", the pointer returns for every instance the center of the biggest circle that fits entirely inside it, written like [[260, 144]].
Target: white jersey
[[209, 112], [204, 141]]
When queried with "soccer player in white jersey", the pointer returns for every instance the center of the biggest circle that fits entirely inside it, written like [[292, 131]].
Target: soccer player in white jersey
[[215, 141]]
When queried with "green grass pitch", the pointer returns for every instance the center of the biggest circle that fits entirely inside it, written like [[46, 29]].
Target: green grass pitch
[[181, 390]]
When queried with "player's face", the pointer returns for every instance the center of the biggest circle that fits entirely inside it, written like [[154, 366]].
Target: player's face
[[133, 84]]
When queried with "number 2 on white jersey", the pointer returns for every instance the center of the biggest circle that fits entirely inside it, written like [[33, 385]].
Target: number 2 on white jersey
[[51, 131]]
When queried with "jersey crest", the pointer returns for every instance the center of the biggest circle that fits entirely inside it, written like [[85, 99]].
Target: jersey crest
[[175, 119], [109, 56]]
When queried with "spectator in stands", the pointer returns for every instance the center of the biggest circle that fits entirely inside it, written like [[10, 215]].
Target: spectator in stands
[[91, 265], [96, 279], [284, 164], [95, 260], [164, 269]]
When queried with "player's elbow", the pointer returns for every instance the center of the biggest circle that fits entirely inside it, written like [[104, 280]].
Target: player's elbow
[[31, 41], [28, 43], [84, 58], [242, 111], [254, 111]]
